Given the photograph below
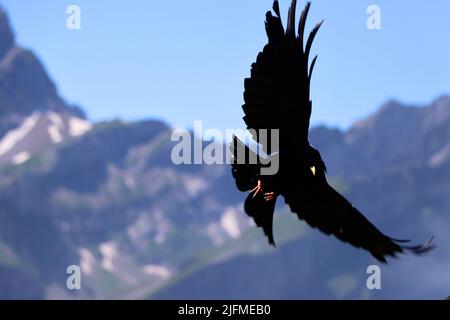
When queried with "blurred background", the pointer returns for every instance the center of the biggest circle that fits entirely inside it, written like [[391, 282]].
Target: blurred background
[[86, 177]]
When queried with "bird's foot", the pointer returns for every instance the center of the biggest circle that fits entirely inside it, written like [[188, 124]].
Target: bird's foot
[[256, 189], [269, 196]]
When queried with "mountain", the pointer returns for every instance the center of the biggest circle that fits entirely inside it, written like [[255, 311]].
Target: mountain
[[112, 202], [6, 34], [140, 226], [415, 136], [107, 197], [32, 114]]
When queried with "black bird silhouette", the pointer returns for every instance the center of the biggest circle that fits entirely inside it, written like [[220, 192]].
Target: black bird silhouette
[[277, 96]]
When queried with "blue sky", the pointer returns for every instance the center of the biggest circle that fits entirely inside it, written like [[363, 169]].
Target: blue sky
[[183, 61]]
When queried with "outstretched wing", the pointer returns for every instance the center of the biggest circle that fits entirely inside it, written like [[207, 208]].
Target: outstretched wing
[[324, 208], [277, 93]]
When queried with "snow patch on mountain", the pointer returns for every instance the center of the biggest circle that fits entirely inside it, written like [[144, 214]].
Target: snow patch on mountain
[[439, 157], [13, 137], [110, 254], [87, 261], [230, 223], [78, 127], [38, 131], [156, 270], [20, 158]]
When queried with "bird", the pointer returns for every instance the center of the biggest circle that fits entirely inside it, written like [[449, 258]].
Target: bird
[[277, 100]]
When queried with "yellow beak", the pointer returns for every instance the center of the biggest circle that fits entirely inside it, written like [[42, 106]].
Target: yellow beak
[[313, 170]]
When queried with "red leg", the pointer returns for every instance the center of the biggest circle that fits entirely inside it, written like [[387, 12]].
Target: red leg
[[269, 196], [257, 189]]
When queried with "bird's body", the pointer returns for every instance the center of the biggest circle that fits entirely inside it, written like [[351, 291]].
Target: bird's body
[[277, 99]]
